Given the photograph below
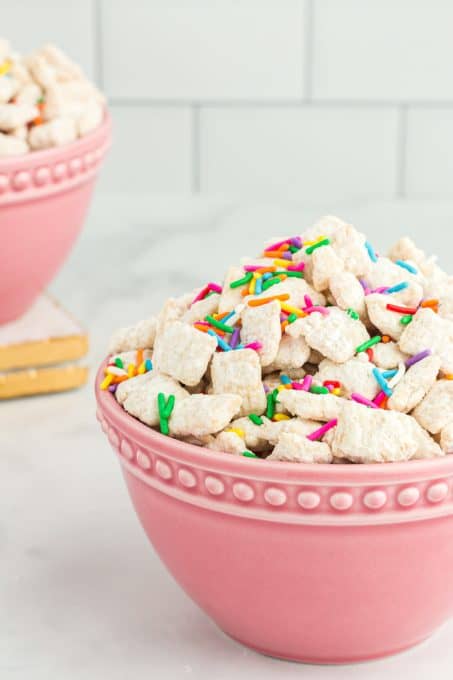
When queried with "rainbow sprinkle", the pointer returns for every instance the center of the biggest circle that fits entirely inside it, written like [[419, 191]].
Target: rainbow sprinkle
[[381, 381], [317, 434], [165, 408], [406, 265], [371, 251]]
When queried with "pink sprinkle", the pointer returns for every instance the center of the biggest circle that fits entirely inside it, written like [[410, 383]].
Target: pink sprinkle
[[252, 267], [381, 289], [202, 294], [306, 382], [254, 345], [360, 399], [317, 434], [215, 287], [379, 398], [296, 267], [297, 386], [276, 246], [202, 323], [316, 308], [308, 301]]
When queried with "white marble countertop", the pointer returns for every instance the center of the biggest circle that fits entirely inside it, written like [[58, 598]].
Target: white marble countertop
[[82, 595]]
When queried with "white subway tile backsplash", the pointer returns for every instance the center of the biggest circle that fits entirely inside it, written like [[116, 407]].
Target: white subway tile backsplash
[[30, 23], [151, 151], [305, 153], [204, 49], [429, 152], [383, 49]]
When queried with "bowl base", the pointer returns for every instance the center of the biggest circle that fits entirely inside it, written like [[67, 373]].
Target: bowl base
[[327, 660]]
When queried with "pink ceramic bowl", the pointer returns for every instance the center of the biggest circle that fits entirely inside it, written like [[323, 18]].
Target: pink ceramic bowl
[[44, 197], [316, 563]]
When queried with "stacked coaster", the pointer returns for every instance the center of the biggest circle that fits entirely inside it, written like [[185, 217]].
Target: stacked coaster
[[41, 352]]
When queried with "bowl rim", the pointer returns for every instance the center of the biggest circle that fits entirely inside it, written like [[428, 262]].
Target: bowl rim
[[54, 153], [208, 459]]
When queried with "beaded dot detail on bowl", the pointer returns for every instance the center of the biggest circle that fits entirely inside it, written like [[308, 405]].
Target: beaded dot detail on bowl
[[126, 449], [143, 460], [374, 500], [308, 500], [187, 478], [243, 492], [163, 470], [341, 500], [437, 492], [215, 486], [275, 496], [113, 438], [408, 496]]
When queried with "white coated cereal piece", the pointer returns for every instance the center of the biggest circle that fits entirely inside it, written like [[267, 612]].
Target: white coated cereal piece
[[184, 352], [272, 430], [427, 330], [426, 446], [126, 387], [385, 320], [73, 99], [354, 375], [325, 264], [140, 336], [292, 354], [200, 309], [228, 442], [204, 440], [434, 412], [231, 297], [19, 71], [384, 272], [20, 132], [296, 373], [347, 292], [239, 372], [12, 146], [446, 306], [414, 384], [141, 401], [202, 414], [272, 380], [8, 88], [326, 226], [174, 309], [311, 406], [293, 448], [446, 438], [13, 115], [336, 335], [64, 66], [366, 435], [387, 355], [90, 118], [57, 132], [255, 435], [349, 245], [406, 250], [296, 289], [29, 94], [262, 324]]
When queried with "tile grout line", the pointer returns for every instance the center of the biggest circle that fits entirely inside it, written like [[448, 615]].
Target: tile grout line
[[98, 43], [401, 151], [283, 103], [196, 155], [308, 34]]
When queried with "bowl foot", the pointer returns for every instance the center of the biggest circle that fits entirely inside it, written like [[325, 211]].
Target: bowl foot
[[329, 660]]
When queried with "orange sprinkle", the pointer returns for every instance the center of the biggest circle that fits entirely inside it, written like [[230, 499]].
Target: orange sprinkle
[[37, 121], [263, 301], [448, 376], [385, 338], [265, 270], [205, 329], [219, 317], [282, 277], [139, 357], [430, 303], [119, 378], [245, 292], [384, 403], [283, 325]]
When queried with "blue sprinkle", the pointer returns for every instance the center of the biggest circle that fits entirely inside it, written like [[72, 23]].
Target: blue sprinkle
[[148, 365], [285, 380], [259, 286], [389, 374], [228, 316], [371, 253], [267, 275], [398, 287], [221, 343], [382, 382], [240, 346], [406, 265]]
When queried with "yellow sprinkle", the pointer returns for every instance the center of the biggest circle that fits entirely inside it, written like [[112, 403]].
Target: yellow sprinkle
[[312, 243], [280, 416], [238, 431], [5, 67], [256, 275], [292, 310], [284, 387], [106, 382], [131, 370], [282, 263], [336, 391], [448, 376], [252, 286], [141, 368]]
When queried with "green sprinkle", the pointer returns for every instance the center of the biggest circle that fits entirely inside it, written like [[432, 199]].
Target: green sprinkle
[[249, 454], [369, 343], [324, 242], [271, 282], [119, 362], [293, 249], [165, 408], [270, 405], [319, 390], [219, 324], [406, 319], [353, 314], [292, 318], [255, 419], [297, 275], [241, 282]]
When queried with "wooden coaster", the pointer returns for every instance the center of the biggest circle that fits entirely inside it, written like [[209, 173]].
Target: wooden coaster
[[39, 352]]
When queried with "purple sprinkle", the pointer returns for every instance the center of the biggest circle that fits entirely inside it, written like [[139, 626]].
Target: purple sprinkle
[[287, 255], [296, 241], [363, 283], [283, 317], [417, 357], [235, 338], [112, 388], [266, 387]]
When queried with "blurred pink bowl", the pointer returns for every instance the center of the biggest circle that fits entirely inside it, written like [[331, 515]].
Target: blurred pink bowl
[[44, 198], [315, 563]]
